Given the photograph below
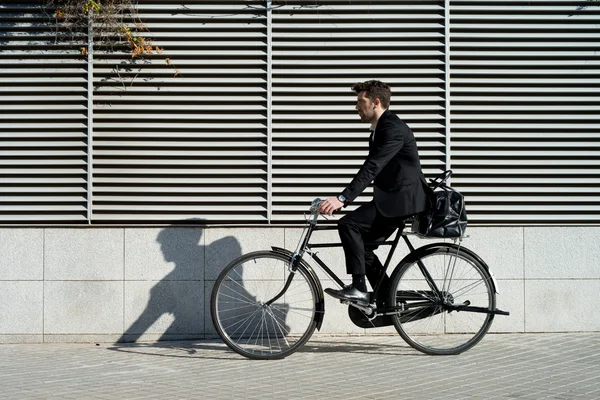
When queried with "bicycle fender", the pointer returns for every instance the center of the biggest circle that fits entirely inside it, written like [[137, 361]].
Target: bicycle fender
[[320, 307], [466, 250]]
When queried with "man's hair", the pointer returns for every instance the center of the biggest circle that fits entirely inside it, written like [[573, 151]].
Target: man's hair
[[375, 90]]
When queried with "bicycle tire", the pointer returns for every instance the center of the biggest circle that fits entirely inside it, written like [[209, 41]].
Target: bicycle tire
[[248, 325], [428, 323]]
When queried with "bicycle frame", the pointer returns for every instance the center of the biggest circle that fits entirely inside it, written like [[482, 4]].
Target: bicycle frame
[[307, 246], [393, 243]]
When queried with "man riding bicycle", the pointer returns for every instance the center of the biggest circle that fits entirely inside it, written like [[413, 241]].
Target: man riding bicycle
[[394, 168]]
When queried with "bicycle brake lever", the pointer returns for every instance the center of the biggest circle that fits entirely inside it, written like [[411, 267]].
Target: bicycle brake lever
[[314, 207]]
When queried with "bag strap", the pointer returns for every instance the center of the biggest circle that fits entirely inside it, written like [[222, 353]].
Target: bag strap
[[440, 179]]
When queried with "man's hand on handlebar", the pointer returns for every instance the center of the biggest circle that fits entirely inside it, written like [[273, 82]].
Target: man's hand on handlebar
[[330, 205]]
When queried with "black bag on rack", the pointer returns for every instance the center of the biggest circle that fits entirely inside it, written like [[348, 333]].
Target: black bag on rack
[[446, 216]]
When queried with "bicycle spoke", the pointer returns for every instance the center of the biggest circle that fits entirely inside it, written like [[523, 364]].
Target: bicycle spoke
[[239, 299], [279, 326], [243, 324]]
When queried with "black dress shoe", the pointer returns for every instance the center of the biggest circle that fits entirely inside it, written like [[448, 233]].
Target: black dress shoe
[[349, 293]]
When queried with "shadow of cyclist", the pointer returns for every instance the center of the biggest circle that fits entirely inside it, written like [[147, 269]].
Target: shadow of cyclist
[[180, 294]]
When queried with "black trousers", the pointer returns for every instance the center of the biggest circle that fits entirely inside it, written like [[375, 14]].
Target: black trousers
[[364, 225]]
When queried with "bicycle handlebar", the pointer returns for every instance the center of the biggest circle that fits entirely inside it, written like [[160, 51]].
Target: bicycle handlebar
[[314, 206], [314, 210]]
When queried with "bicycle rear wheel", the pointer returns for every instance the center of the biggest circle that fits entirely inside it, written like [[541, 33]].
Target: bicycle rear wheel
[[451, 319], [245, 319]]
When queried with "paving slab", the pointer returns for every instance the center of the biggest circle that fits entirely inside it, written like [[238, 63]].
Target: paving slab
[[503, 366]]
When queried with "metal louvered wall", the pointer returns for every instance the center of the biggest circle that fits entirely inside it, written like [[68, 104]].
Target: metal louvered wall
[[260, 119], [43, 119], [319, 52], [525, 109], [192, 146]]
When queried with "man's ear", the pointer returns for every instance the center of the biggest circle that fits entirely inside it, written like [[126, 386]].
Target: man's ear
[[377, 102]]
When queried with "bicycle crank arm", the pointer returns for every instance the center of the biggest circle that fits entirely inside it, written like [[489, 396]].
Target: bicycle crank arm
[[406, 307]]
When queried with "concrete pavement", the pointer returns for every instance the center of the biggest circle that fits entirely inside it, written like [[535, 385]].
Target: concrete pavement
[[502, 366]]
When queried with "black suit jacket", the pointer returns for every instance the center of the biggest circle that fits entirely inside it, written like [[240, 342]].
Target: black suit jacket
[[393, 166]]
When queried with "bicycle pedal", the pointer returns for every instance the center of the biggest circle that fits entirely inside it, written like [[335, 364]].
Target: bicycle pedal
[[363, 306]]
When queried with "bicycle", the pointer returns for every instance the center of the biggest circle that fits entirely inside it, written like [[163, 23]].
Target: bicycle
[[267, 304]]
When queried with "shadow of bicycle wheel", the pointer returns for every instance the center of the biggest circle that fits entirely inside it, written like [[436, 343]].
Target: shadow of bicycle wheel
[[181, 349], [368, 346]]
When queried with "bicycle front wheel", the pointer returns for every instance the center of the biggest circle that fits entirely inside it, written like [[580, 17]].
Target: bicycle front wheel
[[245, 315], [448, 298]]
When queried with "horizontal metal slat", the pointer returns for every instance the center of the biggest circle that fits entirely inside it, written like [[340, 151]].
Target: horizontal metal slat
[[139, 193], [190, 70], [174, 136], [568, 26], [168, 126], [37, 217], [169, 180], [315, 44], [562, 126], [41, 208], [560, 174], [171, 162], [534, 108], [18, 117], [177, 208], [525, 36], [539, 207], [470, 191], [527, 90], [140, 172], [197, 217], [42, 153], [525, 152], [199, 201], [487, 15], [324, 17], [366, 53], [357, 153], [346, 136], [349, 115], [280, 73], [531, 180], [485, 161], [182, 152], [49, 80], [42, 171], [306, 7], [415, 126], [128, 111], [327, 88], [535, 200], [528, 53], [520, 45], [434, 24], [43, 198], [43, 180]]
